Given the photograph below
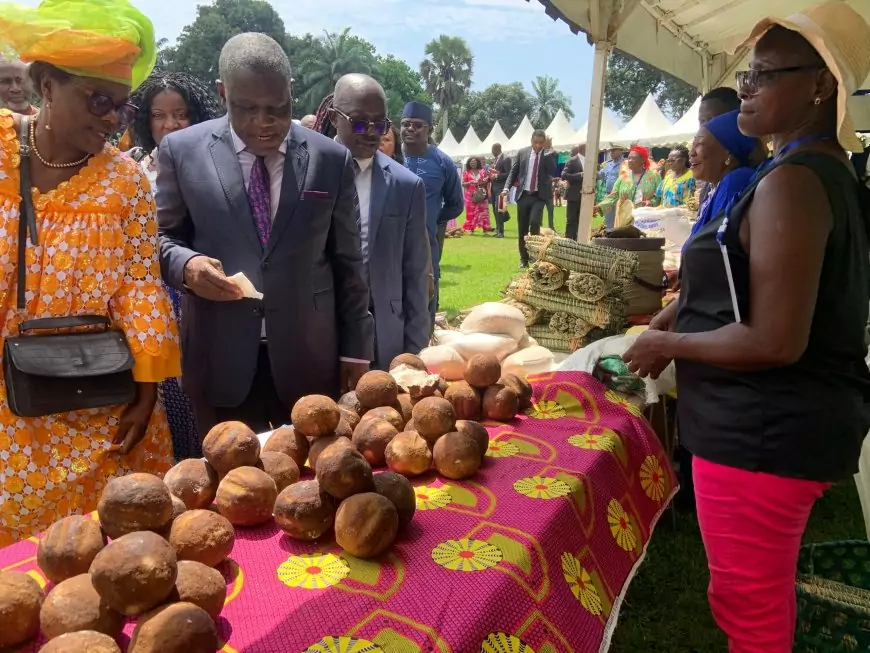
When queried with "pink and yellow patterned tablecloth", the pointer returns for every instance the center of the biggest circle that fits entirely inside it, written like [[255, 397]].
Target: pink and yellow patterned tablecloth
[[533, 555]]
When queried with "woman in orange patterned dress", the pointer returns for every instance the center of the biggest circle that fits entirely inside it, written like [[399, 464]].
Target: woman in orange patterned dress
[[96, 254]]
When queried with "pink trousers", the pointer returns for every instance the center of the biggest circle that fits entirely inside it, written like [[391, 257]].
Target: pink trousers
[[752, 525]]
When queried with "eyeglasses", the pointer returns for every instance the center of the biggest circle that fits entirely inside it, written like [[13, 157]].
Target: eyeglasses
[[750, 81], [101, 105], [416, 125], [379, 127]]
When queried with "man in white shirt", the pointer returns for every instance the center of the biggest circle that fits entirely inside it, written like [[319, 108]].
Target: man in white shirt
[[533, 169], [256, 194], [392, 221]]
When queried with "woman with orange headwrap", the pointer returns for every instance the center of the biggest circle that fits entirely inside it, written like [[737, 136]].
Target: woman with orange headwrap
[[94, 253], [638, 187]]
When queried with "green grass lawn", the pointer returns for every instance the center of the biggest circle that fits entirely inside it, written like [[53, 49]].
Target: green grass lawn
[[666, 608]]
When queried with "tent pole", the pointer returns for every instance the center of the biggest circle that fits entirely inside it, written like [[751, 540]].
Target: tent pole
[[593, 134]]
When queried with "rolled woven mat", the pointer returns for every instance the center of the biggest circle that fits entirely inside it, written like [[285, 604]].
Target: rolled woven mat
[[606, 262], [588, 287], [547, 276], [569, 325], [545, 337], [533, 315], [600, 314]]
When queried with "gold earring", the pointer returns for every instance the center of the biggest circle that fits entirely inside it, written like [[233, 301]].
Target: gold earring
[[48, 116], [728, 162], [817, 101]]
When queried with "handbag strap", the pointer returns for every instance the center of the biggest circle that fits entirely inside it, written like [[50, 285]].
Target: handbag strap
[[69, 322], [26, 213]]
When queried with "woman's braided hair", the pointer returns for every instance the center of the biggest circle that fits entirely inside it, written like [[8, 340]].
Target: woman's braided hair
[[202, 104], [323, 122]]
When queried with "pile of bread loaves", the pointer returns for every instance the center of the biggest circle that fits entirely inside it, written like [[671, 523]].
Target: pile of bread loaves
[[494, 328], [158, 566]]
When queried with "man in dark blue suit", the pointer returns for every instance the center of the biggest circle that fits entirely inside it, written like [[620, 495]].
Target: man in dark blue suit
[[392, 221]]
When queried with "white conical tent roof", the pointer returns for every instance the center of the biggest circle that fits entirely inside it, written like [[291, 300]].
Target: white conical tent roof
[[522, 136], [496, 135], [448, 145], [562, 133], [648, 123], [609, 129], [683, 130], [470, 144]]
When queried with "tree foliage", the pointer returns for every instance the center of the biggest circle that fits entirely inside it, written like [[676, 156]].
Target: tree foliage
[[507, 103], [629, 81], [330, 58], [547, 100], [447, 71], [198, 49], [401, 84]]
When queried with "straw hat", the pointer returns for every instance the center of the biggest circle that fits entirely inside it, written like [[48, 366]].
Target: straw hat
[[842, 37]]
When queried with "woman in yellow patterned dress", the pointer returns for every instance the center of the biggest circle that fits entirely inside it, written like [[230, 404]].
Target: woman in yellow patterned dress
[[96, 254]]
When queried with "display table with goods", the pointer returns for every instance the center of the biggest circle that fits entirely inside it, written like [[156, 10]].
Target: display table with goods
[[387, 522]]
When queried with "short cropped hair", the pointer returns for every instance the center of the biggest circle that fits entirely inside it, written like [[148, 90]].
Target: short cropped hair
[[255, 52], [539, 133]]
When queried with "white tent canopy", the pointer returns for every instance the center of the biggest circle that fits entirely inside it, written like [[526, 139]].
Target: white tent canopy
[[522, 136], [561, 131], [609, 130], [449, 145], [646, 124], [682, 131], [470, 144], [496, 135]]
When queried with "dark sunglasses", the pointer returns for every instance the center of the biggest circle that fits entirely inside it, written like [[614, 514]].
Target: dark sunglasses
[[101, 105], [416, 125], [750, 81], [379, 127]]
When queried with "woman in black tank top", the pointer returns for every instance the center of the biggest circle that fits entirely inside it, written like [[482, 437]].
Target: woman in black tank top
[[769, 337]]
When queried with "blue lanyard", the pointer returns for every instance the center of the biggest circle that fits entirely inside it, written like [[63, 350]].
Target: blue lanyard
[[788, 147]]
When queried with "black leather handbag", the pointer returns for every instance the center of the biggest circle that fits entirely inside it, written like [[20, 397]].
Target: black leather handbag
[[48, 373]]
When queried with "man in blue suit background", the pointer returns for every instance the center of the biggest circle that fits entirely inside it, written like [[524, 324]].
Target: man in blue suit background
[[392, 221]]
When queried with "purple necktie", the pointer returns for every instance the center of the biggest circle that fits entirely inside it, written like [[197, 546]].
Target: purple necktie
[[260, 199]]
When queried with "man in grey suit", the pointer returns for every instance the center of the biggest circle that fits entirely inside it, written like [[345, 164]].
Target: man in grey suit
[[572, 173], [249, 193], [392, 221], [502, 166], [533, 170]]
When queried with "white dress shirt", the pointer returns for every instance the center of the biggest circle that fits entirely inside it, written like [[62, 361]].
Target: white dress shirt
[[274, 165], [364, 193], [533, 157]]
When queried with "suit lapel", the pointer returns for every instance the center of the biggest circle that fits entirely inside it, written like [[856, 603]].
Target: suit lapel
[[229, 171], [382, 178], [292, 185]]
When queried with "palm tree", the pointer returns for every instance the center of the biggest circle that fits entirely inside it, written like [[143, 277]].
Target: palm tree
[[547, 99], [334, 55], [446, 72]]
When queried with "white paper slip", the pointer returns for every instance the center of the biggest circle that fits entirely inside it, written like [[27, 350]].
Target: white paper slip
[[245, 284]]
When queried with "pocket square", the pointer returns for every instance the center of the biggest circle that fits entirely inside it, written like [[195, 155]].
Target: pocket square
[[315, 195]]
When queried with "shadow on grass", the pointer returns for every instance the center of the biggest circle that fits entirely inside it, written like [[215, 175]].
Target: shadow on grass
[[454, 269]]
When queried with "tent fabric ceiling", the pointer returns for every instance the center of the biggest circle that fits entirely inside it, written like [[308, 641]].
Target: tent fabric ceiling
[[686, 38]]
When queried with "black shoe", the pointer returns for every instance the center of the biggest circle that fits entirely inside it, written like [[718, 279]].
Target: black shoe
[[523, 266], [498, 236]]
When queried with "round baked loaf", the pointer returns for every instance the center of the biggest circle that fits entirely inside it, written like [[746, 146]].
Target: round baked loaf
[[433, 417], [410, 360], [466, 401], [315, 416], [135, 572], [320, 445], [399, 490], [350, 417], [351, 402], [194, 481], [20, 601], [342, 472], [203, 536], [366, 525], [304, 511], [175, 628], [288, 441], [85, 641], [456, 456], [203, 586], [390, 414], [246, 496], [476, 431], [229, 445], [74, 605], [408, 454], [280, 467], [68, 547], [377, 388], [372, 436], [500, 403], [135, 502], [482, 370]]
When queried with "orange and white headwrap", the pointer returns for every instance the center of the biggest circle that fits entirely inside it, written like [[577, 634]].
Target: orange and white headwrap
[[105, 39]]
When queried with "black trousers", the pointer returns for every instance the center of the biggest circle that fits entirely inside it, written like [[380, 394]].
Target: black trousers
[[530, 213], [499, 216], [549, 202], [573, 223], [262, 409]]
